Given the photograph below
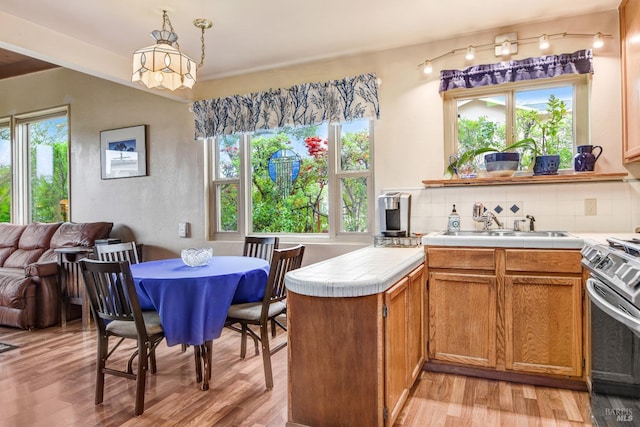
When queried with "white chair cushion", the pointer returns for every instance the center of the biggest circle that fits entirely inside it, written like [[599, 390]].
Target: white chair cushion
[[251, 310]]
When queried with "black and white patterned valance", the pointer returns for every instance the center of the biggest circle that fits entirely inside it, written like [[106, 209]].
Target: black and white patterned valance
[[580, 62], [336, 101]]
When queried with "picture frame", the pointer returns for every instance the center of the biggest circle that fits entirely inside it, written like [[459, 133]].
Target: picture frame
[[123, 152]]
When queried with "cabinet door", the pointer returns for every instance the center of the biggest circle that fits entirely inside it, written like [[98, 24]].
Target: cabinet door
[[395, 347], [543, 323], [416, 334], [462, 318], [629, 27]]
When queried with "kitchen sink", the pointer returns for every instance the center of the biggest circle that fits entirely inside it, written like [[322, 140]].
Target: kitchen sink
[[505, 238], [505, 233]]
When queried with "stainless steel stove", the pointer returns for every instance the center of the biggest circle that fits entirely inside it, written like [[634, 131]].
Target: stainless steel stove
[[614, 290], [614, 285]]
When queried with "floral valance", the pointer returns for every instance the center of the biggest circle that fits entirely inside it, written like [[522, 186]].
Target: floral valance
[[580, 62], [335, 101]]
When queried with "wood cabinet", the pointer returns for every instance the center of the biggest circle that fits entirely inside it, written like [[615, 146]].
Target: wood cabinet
[[462, 318], [543, 311], [629, 29], [404, 339], [353, 360], [508, 310], [416, 323], [396, 376]]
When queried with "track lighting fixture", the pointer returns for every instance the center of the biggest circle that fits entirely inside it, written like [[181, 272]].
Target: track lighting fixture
[[506, 48], [507, 44]]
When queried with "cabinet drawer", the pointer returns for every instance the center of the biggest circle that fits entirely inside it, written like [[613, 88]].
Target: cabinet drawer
[[543, 261], [466, 259]]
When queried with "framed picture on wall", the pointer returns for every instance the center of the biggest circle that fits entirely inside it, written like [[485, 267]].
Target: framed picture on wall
[[123, 152]]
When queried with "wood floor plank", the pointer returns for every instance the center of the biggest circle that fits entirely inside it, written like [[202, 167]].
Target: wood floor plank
[[49, 381]]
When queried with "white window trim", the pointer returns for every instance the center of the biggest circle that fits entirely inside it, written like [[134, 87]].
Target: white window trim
[[20, 166], [244, 216], [581, 113]]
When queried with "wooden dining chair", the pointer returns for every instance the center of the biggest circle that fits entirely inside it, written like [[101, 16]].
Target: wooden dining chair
[[127, 251], [262, 312], [260, 247], [116, 311]]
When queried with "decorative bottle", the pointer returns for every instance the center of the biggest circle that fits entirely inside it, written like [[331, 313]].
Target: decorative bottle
[[454, 220]]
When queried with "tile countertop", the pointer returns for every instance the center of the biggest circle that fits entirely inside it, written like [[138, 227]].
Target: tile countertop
[[366, 271], [372, 270]]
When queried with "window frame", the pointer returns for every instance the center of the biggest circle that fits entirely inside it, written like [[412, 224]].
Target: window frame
[[20, 159], [581, 108], [8, 122], [245, 226]]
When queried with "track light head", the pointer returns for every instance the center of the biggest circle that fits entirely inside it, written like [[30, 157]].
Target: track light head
[[598, 41], [471, 53], [544, 42]]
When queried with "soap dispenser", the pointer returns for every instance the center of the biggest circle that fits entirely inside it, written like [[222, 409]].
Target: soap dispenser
[[454, 220]]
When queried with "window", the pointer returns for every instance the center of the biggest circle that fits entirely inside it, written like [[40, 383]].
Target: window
[[40, 162], [307, 180], [501, 115], [5, 170]]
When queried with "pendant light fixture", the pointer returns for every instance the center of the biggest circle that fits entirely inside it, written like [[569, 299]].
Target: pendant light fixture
[[163, 65]]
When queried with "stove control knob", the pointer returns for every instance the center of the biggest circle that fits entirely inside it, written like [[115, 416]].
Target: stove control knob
[[629, 275], [590, 254], [603, 263]]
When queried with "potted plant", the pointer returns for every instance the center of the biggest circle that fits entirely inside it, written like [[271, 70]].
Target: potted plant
[[547, 153], [499, 161]]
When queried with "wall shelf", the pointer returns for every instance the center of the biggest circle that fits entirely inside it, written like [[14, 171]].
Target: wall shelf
[[526, 179]]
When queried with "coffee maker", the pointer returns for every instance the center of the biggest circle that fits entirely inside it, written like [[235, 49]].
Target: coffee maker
[[395, 214]]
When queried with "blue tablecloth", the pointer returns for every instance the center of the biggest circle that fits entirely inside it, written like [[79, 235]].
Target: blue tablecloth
[[193, 301]]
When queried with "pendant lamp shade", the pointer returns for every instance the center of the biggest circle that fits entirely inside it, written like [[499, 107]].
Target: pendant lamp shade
[[162, 65]]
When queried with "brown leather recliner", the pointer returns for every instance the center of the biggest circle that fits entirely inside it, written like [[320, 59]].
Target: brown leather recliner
[[29, 289]]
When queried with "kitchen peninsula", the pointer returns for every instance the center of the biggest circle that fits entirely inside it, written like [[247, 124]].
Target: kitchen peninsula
[[357, 330]]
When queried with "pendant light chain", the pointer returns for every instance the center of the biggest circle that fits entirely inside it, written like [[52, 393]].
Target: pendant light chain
[[202, 42], [167, 21]]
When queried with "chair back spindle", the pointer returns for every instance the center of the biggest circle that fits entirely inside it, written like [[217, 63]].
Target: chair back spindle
[[118, 252], [260, 247]]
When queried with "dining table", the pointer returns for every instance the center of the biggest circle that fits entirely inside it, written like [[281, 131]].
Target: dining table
[[193, 301]]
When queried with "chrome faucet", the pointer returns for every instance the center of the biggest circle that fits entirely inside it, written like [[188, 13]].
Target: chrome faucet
[[484, 216]]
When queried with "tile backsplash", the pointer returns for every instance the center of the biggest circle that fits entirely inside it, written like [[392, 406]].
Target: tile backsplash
[[607, 207]]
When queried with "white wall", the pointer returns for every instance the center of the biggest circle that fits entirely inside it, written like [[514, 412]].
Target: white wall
[[408, 138]]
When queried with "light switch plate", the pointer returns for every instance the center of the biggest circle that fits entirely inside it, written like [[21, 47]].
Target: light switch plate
[[183, 229]]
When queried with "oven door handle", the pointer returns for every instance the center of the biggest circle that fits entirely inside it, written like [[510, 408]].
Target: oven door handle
[[617, 312]]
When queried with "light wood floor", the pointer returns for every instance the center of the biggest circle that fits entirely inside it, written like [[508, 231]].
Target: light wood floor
[[49, 381]]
